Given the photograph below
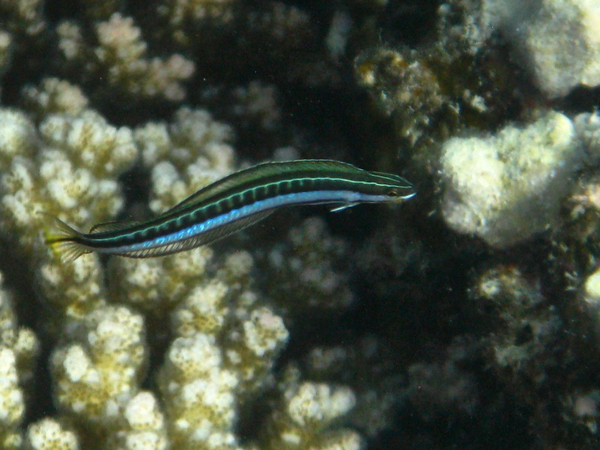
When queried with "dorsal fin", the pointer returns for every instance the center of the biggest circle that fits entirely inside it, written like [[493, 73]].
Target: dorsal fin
[[206, 192], [110, 226], [222, 185], [261, 171]]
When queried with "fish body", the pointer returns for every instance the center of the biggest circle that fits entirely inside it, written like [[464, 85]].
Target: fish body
[[232, 204]]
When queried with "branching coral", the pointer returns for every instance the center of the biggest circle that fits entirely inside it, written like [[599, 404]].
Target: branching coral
[[225, 342], [122, 52], [122, 57], [309, 270], [6, 47], [54, 96], [216, 364], [357, 366], [45, 172], [24, 17], [66, 167], [257, 103], [199, 393], [97, 376], [19, 348], [48, 434], [184, 156], [145, 426], [180, 12], [306, 411]]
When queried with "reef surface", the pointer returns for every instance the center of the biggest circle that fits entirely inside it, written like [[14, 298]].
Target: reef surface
[[468, 317]]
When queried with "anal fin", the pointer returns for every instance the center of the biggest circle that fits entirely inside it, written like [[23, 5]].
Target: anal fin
[[343, 207]]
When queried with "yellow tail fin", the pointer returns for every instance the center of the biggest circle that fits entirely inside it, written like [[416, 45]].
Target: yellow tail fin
[[62, 239]]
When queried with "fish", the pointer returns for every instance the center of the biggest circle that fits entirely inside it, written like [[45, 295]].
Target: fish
[[229, 205]]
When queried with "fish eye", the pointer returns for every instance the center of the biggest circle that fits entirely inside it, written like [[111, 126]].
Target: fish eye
[[393, 193]]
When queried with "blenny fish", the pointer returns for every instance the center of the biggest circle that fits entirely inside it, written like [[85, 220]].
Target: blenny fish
[[230, 205]]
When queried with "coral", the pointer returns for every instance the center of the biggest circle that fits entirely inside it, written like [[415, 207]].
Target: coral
[[252, 347], [582, 408], [528, 324], [506, 187], [368, 359], [154, 284], [556, 39], [145, 426], [590, 300], [179, 12], [337, 36], [471, 21], [118, 110], [19, 340], [121, 57], [306, 265], [54, 96], [17, 137], [71, 42], [592, 288], [64, 172], [282, 22], [453, 78], [402, 84], [206, 376], [224, 29], [97, 10], [96, 377], [122, 53], [48, 434], [67, 168], [23, 17], [6, 48], [257, 103], [588, 130], [185, 155], [523, 344], [225, 342], [306, 411], [439, 387], [199, 394], [19, 348]]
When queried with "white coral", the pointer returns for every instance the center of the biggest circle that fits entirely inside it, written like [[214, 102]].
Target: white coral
[[307, 411], [123, 53], [199, 393], [306, 266], [145, 427], [96, 377], [49, 434], [557, 40], [509, 186]]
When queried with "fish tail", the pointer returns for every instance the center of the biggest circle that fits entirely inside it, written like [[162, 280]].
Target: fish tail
[[63, 239]]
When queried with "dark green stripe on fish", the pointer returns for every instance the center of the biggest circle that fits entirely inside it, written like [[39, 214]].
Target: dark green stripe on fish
[[232, 204]]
